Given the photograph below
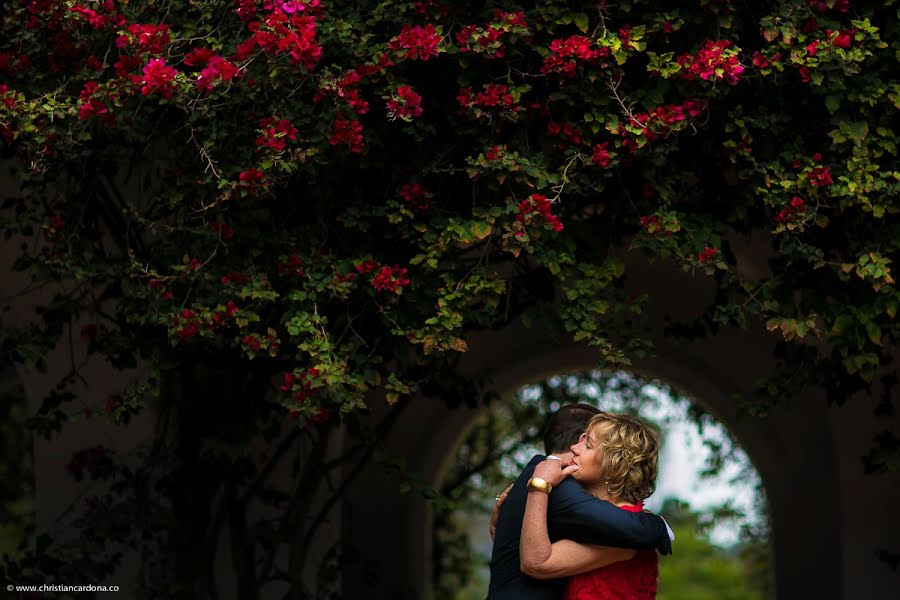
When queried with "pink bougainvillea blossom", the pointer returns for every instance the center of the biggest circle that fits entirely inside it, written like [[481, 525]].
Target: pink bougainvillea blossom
[[414, 194], [347, 132], [275, 133], [418, 42], [159, 78], [716, 59], [536, 206], [405, 104]]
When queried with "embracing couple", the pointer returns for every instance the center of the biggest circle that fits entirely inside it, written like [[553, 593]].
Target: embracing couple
[[584, 537]]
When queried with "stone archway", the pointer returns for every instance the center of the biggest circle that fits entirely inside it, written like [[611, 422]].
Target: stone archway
[[807, 454]]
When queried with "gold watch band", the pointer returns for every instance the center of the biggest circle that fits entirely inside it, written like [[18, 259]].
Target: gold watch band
[[536, 483]]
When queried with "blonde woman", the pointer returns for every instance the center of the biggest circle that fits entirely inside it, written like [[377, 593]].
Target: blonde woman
[[615, 460]]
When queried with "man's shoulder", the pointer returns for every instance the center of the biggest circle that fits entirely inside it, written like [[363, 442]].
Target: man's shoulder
[[529, 468], [571, 489]]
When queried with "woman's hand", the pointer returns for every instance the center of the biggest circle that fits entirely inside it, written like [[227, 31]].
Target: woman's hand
[[495, 515], [549, 470]]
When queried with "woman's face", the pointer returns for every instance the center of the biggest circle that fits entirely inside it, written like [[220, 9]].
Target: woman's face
[[588, 454]]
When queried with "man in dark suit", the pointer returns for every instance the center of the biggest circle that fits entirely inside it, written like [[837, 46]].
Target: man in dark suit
[[572, 513]]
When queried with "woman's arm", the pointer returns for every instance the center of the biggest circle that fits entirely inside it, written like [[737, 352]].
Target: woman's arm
[[538, 557]]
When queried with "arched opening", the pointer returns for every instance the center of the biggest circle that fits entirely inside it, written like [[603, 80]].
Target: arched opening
[[708, 488], [793, 448]]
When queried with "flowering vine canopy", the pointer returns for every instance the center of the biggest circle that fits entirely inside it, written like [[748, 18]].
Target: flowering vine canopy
[[335, 193]]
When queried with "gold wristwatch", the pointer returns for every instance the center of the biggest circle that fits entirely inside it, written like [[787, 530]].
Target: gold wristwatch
[[536, 483]]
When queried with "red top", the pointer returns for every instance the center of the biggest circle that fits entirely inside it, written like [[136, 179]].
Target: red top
[[634, 579]]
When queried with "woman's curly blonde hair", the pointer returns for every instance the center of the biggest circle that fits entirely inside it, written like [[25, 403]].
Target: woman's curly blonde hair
[[630, 453]]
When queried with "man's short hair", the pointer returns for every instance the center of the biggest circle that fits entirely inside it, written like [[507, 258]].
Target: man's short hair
[[566, 425]]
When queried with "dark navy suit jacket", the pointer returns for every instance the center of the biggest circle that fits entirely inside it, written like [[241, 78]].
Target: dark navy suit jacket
[[573, 514]]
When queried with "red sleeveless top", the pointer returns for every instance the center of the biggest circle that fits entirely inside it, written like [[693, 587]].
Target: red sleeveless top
[[634, 579]]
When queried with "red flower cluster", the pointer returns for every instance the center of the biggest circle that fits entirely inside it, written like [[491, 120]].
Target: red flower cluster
[[495, 95], [276, 133], [385, 277], [55, 230], [707, 254], [281, 33], [198, 57], [347, 132], [495, 152], [760, 61], [321, 416], [188, 324], [251, 180], [416, 195], [487, 39], [536, 205], [420, 43], [714, 56], [623, 34], [568, 52], [293, 6], [158, 78], [600, 155], [812, 47], [237, 277], [660, 121], [245, 9], [149, 39], [367, 266], [303, 384], [473, 37], [652, 226], [373, 69], [345, 89], [217, 69], [11, 64], [255, 343], [293, 265], [391, 279], [566, 131], [220, 317], [340, 278], [432, 8], [156, 284], [252, 342], [7, 96], [819, 177], [796, 207], [99, 20], [92, 106], [405, 104], [841, 39], [125, 65], [839, 5]]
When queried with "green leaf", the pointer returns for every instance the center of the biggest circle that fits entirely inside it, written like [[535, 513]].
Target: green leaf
[[481, 229], [842, 324], [581, 22]]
